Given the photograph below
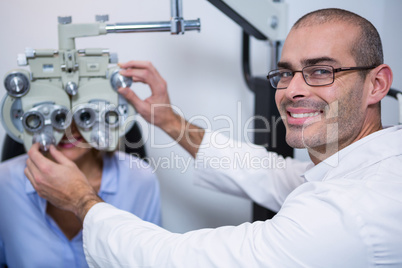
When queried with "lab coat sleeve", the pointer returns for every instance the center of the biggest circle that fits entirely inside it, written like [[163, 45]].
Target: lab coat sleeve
[[246, 170], [296, 237]]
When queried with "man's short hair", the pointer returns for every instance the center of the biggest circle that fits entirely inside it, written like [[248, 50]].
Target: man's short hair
[[367, 49]]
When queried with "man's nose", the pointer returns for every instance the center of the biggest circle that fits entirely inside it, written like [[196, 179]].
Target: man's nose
[[297, 87]]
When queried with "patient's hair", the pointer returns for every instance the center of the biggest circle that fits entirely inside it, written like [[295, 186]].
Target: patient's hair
[[367, 49]]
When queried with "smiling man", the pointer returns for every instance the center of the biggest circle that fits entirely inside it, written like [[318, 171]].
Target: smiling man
[[342, 210], [320, 113]]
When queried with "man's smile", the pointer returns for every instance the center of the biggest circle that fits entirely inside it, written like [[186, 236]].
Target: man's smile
[[301, 116]]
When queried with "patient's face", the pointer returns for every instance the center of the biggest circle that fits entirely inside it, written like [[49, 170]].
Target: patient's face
[[73, 145]]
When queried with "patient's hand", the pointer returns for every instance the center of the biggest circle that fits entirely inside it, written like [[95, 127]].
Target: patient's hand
[[60, 182]]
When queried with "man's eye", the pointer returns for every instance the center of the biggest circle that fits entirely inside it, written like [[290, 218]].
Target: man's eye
[[320, 72], [286, 74]]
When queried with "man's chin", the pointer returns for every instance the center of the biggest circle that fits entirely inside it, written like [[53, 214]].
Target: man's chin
[[303, 139], [295, 142]]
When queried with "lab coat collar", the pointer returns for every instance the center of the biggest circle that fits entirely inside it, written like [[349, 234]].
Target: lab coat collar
[[362, 153]]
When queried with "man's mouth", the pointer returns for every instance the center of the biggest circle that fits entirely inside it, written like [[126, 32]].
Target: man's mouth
[[303, 115]]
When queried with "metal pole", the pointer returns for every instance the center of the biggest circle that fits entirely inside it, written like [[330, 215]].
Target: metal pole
[[177, 22], [176, 25], [162, 26], [176, 9]]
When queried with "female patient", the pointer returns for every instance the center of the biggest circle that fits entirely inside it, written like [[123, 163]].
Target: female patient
[[34, 233]]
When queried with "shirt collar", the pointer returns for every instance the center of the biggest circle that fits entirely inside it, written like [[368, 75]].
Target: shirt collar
[[364, 152], [110, 174]]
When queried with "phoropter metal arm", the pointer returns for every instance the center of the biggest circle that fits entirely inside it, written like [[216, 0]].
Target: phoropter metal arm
[[177, 25]]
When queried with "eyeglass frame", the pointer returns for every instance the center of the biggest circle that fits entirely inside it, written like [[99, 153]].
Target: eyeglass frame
[[334, 70]]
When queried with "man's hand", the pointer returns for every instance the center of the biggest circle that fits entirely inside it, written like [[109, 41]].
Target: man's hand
[[157, 109], [60, 182]]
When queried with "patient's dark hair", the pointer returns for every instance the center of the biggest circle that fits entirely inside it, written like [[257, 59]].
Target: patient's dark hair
[[367, 49]]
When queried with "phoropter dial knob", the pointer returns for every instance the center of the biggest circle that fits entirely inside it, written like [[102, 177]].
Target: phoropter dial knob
[[17, 84], [117, 80]]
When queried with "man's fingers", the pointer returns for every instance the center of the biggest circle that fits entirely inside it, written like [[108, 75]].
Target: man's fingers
[[135, 64], [32, 172], [145, 72], [132, 98], [138, 75], [30, 177], [137, 70], [58, 156], [36, 156]]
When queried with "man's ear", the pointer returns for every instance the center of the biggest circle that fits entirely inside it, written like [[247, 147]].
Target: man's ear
[[380, 83]]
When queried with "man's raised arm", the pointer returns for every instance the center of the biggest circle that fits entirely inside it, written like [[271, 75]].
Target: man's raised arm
[[157, 109]]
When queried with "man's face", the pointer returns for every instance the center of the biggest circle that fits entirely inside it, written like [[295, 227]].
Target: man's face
[[322, 119]]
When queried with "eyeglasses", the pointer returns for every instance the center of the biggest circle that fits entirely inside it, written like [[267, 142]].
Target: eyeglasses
[[314, 75]]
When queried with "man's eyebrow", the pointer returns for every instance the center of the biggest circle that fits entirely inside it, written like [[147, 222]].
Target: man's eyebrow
[[284, 65], [307, 62], [314, 61]]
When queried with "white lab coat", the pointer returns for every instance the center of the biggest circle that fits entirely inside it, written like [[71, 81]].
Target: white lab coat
[[344, 212]]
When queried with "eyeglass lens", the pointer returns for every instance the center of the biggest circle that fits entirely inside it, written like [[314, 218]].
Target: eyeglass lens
[[316, 75]]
